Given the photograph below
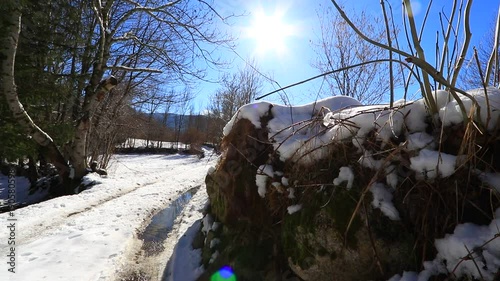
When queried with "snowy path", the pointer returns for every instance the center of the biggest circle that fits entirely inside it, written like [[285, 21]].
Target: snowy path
[[90, 236]]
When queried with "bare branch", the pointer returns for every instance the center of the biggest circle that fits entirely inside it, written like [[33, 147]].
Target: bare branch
[[447, 37], [420, 53], [338, 70], [465, 45], [134, 69], [389, 43], [494, 51]]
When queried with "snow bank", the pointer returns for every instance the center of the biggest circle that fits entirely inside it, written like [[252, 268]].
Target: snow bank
[[184, 262], [450, 112], [91, 179], [289, 128], [302, 134], [471, 250], [299, 132]]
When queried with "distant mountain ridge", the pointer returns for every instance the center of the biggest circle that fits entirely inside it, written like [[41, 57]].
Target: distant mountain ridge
[[174, 120]]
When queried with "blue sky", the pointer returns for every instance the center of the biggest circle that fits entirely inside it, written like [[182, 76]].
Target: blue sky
[[292, 62]]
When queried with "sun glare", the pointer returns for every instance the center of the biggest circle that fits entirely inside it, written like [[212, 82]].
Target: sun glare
[[270, 33]]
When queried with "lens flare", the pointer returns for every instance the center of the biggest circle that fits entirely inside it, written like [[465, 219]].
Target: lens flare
[[271, 31], [224, 274]]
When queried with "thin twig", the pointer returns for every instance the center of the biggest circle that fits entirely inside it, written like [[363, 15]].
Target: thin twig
[[365, 190], [337, 70], [475, 263], [465, 45], [470, 256], [395, 34], [372, 241], [389, 43], [484, 82], [426, 91], [446, 38], [494, 51]]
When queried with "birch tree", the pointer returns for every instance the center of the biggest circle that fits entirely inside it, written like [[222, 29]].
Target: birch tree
[[10, 27]]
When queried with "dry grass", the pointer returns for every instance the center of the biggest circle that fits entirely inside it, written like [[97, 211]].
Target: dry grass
[[429, 208]]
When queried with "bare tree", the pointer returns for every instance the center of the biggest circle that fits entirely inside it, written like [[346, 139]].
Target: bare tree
[[118, 36], [108, 126], [487, 50], [169, 35], [340, 47], [237, 90], [180, 118]]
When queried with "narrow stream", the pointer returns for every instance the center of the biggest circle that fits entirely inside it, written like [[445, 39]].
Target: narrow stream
[[162, 223]]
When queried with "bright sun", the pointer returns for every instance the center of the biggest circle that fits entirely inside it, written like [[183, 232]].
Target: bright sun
[[270, 33]]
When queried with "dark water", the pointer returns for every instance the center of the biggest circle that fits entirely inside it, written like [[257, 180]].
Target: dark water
[[162, 223]]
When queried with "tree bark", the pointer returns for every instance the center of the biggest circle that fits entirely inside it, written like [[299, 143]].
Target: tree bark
[[78, 156], [10, 27], [94, 92]]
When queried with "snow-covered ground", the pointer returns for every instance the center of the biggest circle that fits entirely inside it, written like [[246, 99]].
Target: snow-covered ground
[[93, 235]]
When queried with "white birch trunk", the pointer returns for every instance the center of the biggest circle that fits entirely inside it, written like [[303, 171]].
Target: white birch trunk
[[10, 27]]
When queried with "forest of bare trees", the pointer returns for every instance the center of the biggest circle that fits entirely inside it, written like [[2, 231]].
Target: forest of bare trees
[[75, 73]]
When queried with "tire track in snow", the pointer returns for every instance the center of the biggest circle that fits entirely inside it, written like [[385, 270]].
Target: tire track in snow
[[38, 225], [108, 199], [103, 215], [41, 225], [142, 266]]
